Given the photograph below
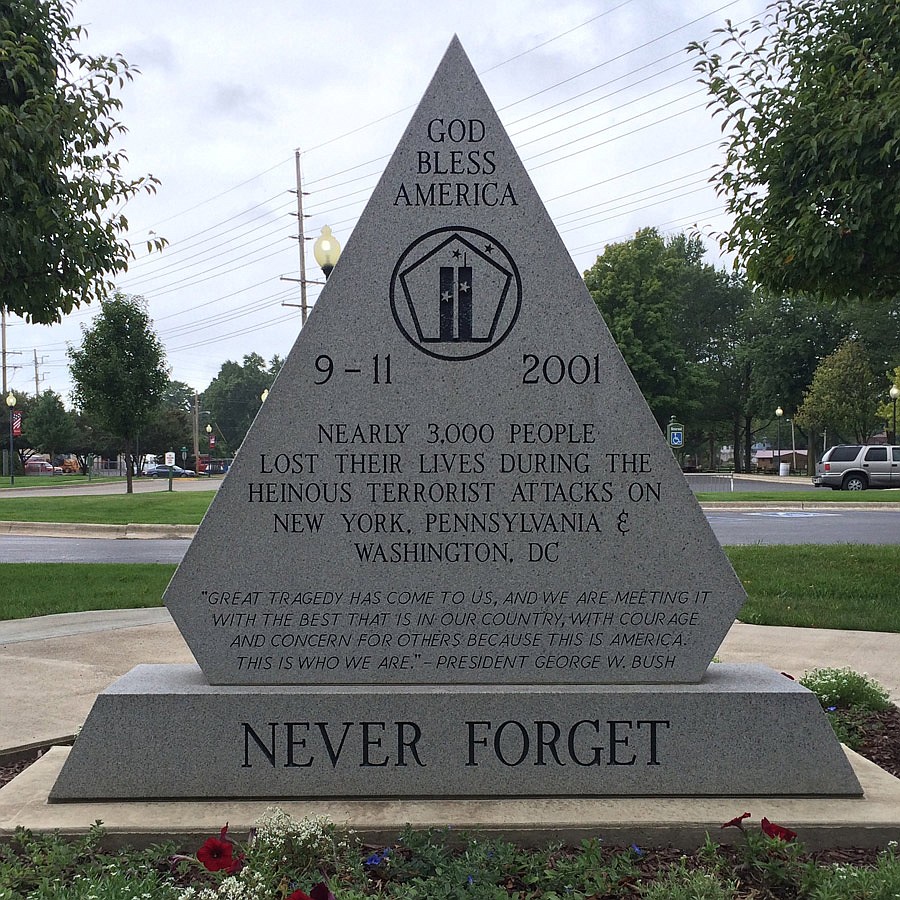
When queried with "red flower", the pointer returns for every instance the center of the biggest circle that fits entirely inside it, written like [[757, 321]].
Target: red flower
[[736, 822], [218, 853], [321, 892], [777, 831], [236, 865], [298, 895]]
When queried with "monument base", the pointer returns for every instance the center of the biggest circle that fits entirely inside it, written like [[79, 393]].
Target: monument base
[[161, 732]]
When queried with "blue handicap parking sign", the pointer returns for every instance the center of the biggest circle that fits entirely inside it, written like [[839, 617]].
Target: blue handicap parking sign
[[675, 433]]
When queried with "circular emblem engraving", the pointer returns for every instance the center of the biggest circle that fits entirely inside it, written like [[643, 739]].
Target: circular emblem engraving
[[455, 293]]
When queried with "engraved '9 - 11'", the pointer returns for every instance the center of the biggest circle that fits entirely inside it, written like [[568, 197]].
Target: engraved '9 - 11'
[[381, 368]]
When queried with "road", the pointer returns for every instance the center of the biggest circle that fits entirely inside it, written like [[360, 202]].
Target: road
[[834, 526]]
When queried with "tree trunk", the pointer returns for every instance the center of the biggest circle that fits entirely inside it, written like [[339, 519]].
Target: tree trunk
[[129, 485], [748, 441], [736, 444]]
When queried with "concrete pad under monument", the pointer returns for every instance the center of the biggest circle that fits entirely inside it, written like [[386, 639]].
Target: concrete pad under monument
[[454, 555]]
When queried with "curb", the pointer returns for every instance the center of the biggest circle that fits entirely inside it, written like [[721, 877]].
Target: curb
[[131, 531]]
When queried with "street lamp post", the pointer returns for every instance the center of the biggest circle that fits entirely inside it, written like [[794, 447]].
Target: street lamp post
[[327, 251], [895, 393], [11, 403], [209, 449], [779, 412]]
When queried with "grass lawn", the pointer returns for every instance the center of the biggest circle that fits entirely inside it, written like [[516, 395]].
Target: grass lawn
[[850, 586], [819, 496], [839, 586], [42, 481], [156, 507], [42, 589]]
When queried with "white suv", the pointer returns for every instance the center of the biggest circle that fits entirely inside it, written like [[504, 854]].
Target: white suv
[[855, 467]]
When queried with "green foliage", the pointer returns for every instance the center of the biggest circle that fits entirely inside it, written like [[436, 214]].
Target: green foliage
[[846, 689], [889, 408], [233, 397], [61, 219], [120, 371], [844, 395], [843, 882], [809, 99], [49, 428], [847, 725], [285, 855], [683, 882], [171, 425], [673, 318], [775, 867], [46, 867]]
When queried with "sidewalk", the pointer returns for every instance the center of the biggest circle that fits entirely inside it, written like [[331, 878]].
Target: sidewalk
[[52, 667]]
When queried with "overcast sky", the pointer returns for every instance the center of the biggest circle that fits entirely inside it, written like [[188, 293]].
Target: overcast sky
[[599, 98]]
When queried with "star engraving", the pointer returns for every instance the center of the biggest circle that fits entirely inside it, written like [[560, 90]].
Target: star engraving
[[464, 287]]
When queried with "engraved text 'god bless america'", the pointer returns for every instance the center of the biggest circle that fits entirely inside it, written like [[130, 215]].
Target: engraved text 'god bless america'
[[452, 161]]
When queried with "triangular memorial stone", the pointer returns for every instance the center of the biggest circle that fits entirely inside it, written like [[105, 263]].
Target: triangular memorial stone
[[455, 477], [455, 555]]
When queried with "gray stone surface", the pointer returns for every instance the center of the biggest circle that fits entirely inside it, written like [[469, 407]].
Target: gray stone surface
[[454, 479], [163, 732], [455, 556]]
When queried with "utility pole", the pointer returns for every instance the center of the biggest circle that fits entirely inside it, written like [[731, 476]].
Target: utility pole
[[301, 240], [3, 338], [37, 377], [4, 353], [196, 433]]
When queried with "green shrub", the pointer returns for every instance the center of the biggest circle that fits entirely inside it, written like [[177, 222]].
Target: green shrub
[[846, 689]]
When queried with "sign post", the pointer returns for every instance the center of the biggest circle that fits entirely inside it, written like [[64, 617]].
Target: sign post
[[675, 434], [170, 461]]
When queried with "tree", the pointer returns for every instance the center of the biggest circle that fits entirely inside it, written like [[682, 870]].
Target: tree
[[171, 425], [887, 411], [844, 395], [810, 102], [672, 317], [120, 372], [784, 341], [233, 396], [50, 427], [61, 177], [91, 440]]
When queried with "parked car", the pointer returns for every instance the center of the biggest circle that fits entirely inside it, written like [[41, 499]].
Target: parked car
[[856, 467], [39, 467], [177, 472]]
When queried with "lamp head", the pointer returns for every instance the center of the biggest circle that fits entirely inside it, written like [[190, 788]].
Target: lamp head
[[894, 392], [11, 400], [327, 250], [209, 429], [263, 395], [779, 412]]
